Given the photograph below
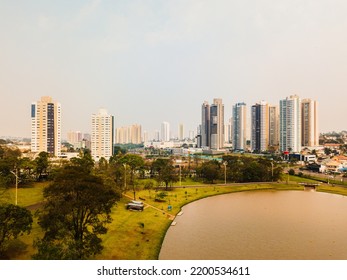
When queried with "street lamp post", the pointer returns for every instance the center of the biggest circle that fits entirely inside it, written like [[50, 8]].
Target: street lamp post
[[225, 172], [125, 176], [16, 175], [272, 170]]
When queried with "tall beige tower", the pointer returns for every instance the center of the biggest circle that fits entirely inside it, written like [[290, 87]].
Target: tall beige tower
[[102, 139], [181, 131], [46, 126], [309, 123], [290, 124], [129, 134]]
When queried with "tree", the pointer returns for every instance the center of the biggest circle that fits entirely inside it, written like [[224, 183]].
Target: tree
[[84, 160], [327, 151], [164, 171], [134, 163], [248, 169], [234, 168], [291, 172], [9, 161], [76, 211], [41, 165], [14, 221], [117, 150], [210, 171], [148, 186], [102, 164], [25, 170]]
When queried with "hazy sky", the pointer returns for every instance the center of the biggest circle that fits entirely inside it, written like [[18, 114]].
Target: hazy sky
[[154, 61]]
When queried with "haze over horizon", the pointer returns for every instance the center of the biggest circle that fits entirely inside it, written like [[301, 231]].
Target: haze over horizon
[[152, 61]]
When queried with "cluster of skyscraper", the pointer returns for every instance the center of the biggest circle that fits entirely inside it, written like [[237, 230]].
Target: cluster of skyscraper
[[46, 129], [287, 127]]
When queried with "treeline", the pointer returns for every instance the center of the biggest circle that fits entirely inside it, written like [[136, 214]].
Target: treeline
[[240, 169]]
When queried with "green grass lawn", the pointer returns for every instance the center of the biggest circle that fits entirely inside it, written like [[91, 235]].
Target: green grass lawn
[[298, 179], [27, 195], [136, 235]]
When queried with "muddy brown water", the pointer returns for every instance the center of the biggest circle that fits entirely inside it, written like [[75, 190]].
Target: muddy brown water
[[260, 225]]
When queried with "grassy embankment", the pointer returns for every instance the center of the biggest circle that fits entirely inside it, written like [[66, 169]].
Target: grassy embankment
[[138, 235]]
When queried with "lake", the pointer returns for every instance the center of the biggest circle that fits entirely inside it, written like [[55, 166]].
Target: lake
[[260, 225]]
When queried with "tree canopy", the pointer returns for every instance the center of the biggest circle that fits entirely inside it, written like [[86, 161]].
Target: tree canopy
[[135, 163], [164, 171], [210, 171], [241, 169], [14, 221], [76, 211], [9, 161]]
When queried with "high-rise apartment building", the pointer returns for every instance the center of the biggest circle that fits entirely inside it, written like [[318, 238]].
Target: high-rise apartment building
[[226, 133], [136, 134], [309, 124], [46, 126], [145, 136], [217, 124], [102, 138], [274, 125], [191, 134], [231, 129], [260, 127], [156, 135], [205, 125], [87, 137], [239, 126], [122, 135], [74, 137], [290, 124], [165, 131], [129, 134], [181, 131]]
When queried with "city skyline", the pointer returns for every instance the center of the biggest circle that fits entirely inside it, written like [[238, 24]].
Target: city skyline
[[162, 58]]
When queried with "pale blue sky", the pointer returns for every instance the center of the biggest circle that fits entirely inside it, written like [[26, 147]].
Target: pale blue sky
[[154, 61]]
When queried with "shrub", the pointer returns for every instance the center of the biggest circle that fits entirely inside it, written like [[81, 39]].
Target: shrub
[[291, 172]]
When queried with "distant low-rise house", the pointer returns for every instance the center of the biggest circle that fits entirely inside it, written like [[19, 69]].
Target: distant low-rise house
[[333, 166], [340, 158], [333, 146]]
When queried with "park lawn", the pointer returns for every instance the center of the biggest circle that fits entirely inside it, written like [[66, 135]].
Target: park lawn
[[27, 195], [298, 179], [126, 239], [332, 189], [134, 235]]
